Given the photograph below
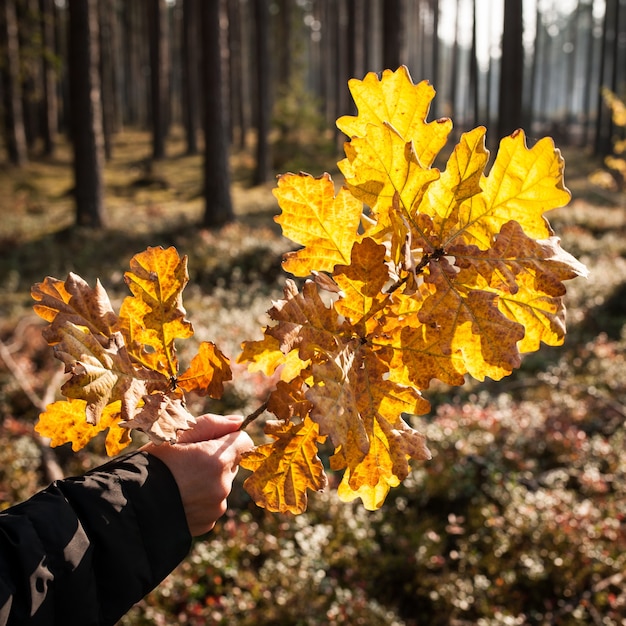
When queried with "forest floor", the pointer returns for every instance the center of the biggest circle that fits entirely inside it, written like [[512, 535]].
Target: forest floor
[[235, 274]]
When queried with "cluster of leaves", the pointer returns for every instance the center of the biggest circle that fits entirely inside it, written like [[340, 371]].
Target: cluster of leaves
[[123, 368], [429, 274], [412, 275]]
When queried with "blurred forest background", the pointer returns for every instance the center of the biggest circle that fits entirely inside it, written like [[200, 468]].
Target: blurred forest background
[[164, 122]]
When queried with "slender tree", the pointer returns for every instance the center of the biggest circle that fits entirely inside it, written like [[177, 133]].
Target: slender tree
[[86, 113], [159, 73], [393, 33], [263, 168], [511, 70], [218, 208], [190, 81], [50, 110], [13, 115]]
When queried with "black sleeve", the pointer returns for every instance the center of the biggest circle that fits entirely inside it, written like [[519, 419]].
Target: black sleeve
[[83, 551]]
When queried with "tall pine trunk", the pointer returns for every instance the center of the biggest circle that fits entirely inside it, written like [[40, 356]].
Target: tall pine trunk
[[512, 70], [218, 208], [86, 112], [13, 113]]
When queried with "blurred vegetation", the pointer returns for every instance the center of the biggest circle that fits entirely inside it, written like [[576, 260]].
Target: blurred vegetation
[[520, 518]]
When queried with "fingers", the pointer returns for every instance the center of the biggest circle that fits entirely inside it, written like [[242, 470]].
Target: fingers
[[210, 426]]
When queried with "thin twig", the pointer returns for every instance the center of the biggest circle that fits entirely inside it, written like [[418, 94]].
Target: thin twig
[[250, 418]]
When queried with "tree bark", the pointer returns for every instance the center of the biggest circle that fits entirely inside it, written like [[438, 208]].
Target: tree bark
[[393, 34], [159, 74], [50, 109], [218, 206], [511, 70], [263, 168], [86, 112], [13, 112], [190, 73]]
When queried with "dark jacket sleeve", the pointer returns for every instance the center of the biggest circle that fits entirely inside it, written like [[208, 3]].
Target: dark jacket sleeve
[[84, 550]]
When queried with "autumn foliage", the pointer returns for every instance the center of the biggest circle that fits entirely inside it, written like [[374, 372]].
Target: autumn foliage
[[411, 274]]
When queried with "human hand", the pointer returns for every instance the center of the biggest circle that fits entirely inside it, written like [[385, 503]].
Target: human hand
[[204, 463]]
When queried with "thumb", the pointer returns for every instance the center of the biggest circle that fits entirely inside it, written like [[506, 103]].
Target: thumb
[[210, 426]]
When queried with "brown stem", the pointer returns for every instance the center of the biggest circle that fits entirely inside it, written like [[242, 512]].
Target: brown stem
[[250, 418]]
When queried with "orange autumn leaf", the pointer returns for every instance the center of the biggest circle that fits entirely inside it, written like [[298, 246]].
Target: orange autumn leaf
[[287, 468], [207, 372], [125, 363], [64, 422]]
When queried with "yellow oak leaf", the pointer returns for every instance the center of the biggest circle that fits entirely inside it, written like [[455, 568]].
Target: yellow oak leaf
[[394, 99], [207, 372], [470, 326], [459, 181], [362, 281], [384, 466], [351, 392], [522, 185], [154, 316], [528, 277], [285, 469], [266, 356], [381, 165], [74, 301], [64, 422], [325, 224]]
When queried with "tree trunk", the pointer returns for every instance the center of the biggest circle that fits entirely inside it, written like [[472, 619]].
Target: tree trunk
[[13, 113], [218, 207], [159, 74], [263, 168], [393, 34], [107, 72], [86, 114], [511, 70], [50, 109], [238, 75], [190, 73]]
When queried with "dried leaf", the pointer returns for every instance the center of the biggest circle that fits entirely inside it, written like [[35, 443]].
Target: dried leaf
[[286, 468]]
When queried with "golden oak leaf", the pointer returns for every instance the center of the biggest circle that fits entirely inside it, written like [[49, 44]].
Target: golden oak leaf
[[73, 301], [325, 224], [380, 165], [362, 281], [101, 374], [154, 316], [286, 468], [207, 372], [521, 186], [351, 391], [64, 422], [305, 322], [266, 356], [384, 466], [161, 417], [528, 276], [396, 100], [459, 181], [470, 325]]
